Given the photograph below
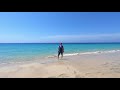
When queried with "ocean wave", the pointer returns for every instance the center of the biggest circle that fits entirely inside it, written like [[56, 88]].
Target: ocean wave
[[86, 53], [99, 52], [71, 54], [52, 56]]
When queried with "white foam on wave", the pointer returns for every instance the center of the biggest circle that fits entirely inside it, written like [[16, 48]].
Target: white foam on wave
[[71, 54], [96, 52], [51, 56], [110, 51], [99, 52]]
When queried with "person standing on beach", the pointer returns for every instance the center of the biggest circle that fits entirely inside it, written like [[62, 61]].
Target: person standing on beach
[[60, 50]]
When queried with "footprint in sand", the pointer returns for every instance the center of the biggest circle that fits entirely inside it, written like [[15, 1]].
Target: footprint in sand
[[52, 77], [63, 59], [63, 76], [79, 76]]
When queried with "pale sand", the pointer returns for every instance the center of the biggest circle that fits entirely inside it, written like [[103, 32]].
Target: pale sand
[[105, 65]]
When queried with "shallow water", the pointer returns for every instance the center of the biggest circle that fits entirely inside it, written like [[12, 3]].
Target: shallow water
[[32, 51]]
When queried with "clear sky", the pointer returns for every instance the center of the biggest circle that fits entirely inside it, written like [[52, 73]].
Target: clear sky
[[18, 27]]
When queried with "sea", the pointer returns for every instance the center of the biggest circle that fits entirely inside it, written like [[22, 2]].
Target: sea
[[19, 52]]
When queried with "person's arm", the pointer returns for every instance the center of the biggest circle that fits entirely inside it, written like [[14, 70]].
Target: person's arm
[[58, 48]]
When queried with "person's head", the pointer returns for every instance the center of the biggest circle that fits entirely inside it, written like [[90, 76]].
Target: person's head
[[60, 43]]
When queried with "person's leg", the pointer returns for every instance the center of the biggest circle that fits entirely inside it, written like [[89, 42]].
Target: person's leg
[[61, 54], [58, 54]]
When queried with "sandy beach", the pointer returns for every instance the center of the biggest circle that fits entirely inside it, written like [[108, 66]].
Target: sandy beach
[[102, 65]]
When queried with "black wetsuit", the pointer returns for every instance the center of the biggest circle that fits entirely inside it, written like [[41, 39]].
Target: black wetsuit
[[60, 50]]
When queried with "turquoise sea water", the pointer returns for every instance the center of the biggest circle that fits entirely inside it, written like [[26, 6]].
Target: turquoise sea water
[[23, 52]]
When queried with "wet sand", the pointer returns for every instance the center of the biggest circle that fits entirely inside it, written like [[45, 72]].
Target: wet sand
[[102, 65]]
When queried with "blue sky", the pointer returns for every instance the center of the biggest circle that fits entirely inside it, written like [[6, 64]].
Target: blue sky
[[21, 27]]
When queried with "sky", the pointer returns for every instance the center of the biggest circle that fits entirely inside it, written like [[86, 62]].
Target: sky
[[56, 27]]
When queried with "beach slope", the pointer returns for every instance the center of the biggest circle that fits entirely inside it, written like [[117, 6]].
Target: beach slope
[[103, 65]]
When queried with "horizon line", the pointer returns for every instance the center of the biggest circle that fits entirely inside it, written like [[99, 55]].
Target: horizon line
[[54, 42]]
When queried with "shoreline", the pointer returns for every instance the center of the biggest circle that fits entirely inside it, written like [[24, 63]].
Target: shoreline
[[103, 65], [42, 59], [87, 53]]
